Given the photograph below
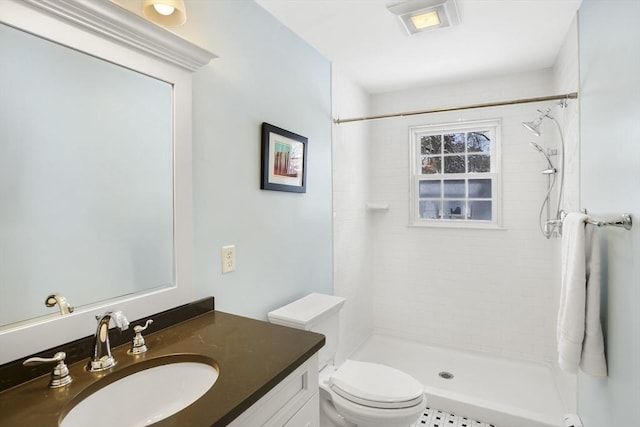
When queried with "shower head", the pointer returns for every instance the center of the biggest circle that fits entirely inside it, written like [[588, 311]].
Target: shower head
[[550, 171], [533, 127]]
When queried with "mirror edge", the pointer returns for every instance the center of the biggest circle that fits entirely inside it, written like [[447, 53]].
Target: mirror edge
[[109, 32]]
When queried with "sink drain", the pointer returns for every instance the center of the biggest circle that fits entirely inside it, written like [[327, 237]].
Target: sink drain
[[446, 375]]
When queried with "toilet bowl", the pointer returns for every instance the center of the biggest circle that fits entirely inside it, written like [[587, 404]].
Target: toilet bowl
[[354, 393], [369, 395]]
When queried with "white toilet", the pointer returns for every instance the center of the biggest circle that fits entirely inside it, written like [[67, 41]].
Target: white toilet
[[355, 393]]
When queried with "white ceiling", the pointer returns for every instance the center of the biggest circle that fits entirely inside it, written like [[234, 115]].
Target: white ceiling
[[365, 41]]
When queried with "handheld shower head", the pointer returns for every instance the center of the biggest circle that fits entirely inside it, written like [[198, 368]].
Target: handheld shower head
[[539, 149], [551, 171], [536, 146]]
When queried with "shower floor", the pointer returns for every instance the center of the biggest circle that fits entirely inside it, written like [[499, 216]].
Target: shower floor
[[501, 392]]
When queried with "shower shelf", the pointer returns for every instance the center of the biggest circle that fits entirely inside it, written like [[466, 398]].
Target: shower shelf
[[377, 206]]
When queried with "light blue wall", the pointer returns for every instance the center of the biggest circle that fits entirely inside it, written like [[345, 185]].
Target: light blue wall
[[283, 240], [610, 132]]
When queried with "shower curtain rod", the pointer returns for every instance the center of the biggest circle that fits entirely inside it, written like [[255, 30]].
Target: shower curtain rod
[[572, 95]]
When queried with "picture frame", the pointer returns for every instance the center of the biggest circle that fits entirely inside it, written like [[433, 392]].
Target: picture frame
[[284, 160]]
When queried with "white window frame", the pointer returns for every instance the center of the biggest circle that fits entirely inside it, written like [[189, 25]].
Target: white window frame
[[494, 126]]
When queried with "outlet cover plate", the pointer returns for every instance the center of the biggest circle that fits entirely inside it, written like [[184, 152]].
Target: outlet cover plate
[[228, 258]]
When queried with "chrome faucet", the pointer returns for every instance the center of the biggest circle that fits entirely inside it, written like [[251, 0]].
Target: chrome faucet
[[102, 358]]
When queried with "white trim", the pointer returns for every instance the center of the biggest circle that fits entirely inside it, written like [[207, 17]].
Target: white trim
[[114, 23], [415, 132]]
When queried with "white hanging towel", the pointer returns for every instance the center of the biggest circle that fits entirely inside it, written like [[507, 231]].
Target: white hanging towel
[[580, 340]]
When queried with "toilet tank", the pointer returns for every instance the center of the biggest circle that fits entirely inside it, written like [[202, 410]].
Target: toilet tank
[[317, 313]]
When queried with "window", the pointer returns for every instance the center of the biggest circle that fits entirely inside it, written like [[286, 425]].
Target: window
[[454, 174]]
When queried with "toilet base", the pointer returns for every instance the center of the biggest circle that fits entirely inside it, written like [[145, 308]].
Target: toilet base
[[332, 408], [329, 417]]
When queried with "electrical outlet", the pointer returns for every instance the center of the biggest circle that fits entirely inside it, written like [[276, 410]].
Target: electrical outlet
[[228, 258]]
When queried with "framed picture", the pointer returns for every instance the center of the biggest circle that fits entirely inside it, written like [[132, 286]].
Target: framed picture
[[284, 160]]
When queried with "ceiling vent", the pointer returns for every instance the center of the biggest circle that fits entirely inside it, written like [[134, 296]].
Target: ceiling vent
[[425, 15]]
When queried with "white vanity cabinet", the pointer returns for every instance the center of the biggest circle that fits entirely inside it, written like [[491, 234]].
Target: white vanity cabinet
[[293, 402]]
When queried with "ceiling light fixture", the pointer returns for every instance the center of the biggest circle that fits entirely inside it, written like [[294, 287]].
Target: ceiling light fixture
[[423, 15], [168, 13]]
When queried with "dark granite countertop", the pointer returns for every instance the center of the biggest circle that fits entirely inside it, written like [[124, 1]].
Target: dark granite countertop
[[253, 356]]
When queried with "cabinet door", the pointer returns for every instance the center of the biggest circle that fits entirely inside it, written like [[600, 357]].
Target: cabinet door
[[308, 415], [280, 405]]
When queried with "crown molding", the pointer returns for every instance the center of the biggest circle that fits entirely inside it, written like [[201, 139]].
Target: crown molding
[[117, 24]]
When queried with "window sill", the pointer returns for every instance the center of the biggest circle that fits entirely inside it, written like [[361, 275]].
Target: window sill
[[456, 224]]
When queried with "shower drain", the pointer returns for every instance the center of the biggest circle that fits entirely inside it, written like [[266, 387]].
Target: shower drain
[[446, 375]]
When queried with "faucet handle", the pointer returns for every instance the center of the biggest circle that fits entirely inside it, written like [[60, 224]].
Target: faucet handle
[[137, 329], [60, 374], [138, 345]]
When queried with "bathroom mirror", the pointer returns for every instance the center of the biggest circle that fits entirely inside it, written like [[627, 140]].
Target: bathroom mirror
[[95, 168], [85, 178]]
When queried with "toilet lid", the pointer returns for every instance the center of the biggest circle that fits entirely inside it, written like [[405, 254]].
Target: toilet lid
[[375, 385]]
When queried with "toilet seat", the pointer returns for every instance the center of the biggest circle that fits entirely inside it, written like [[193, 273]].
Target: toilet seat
[[376, 386]]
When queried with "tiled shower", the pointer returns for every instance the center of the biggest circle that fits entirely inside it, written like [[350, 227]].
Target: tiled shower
[[488, 291]]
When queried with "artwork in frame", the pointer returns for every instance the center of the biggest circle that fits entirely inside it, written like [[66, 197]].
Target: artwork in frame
[[284, 160]]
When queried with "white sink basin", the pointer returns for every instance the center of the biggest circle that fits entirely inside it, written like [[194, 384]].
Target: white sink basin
[[145, 396]]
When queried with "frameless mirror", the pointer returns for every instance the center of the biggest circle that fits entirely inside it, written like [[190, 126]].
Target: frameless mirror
[[86, 178]]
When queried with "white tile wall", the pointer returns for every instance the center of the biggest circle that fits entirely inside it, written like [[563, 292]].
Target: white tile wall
[[489, 290], [352, 276], [486, 290], [566, 80]]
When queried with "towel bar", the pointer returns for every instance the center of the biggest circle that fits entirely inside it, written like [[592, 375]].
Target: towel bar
[[624, 221]]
